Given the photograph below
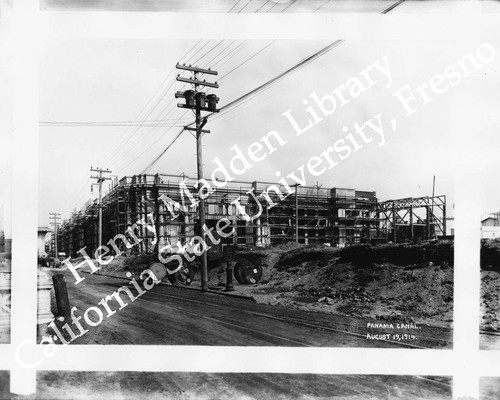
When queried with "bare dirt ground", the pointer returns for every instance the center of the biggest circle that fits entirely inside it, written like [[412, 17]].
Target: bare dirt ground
[[388, 283], [490, 294], [489, 388], [490, 285], [490, 300], [171, 315], [324, 279], [229, 386]]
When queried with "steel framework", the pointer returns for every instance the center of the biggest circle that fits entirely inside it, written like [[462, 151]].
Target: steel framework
[[414, 218]]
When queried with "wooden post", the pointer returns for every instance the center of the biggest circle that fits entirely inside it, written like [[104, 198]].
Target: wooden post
[[62, 299]]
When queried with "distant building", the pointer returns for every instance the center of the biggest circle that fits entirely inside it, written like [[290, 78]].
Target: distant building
[[490, 227], [313, 215], [42, 234], [450, 226]]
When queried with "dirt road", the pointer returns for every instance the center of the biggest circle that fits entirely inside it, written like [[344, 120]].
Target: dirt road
[[204, 386], [489, 388], [178, 316], [489, 340]]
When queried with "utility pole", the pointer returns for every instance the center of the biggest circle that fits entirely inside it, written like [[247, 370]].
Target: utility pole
[[199, 101], [296, 213], [100, 179], [432, 207], [55, 217]]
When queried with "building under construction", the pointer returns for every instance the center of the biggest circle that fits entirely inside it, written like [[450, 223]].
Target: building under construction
[[310, 215]]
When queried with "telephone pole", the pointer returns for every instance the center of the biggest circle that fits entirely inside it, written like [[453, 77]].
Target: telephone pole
[[296, 186], [199, 101], [55, 217], [100, 179]]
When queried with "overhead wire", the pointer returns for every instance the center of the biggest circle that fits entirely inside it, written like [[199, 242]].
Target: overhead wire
[[234, 5], [247, 60], [249, 1], [169, 111], [233, 104], [146, 149], [208, 52], [243, 99], [151, 164], [145, 107], [78, 124], [321, 6], [155, 141], [258, 9], [164, 112], [288, 6], [163, 94], [192, 55], [274, 5], [237, 49], [136, 130], [218, 54], [300, 64], [392, 6]]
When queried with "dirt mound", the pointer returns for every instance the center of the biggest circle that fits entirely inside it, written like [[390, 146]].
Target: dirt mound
[[490, 300], [399, 254], [490, 284], [490, 254], [379, 282]]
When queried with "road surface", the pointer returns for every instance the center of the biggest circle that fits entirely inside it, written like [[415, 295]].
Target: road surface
[[167, 315], [489, 340], [190, 385]]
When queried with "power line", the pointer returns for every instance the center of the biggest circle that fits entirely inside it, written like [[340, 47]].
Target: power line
[[300, 64], [208, 52], [136, 130], [288, 6], [249, 1], [322, 5], [218, 54], [156, 103], [392, 6], [248, 59], [262, 87], [258, 9], [234, 51], [185, 55], [155, 123], [144, 108], [274, 5], [151, 145], [231, 9], [151, 164]]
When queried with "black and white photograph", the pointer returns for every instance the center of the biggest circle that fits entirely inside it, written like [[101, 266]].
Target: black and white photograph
[[490, 232], [5, 184], [490, 282], [198, 204], [266, 6], [271, 193], [228, 386], [489, 388]]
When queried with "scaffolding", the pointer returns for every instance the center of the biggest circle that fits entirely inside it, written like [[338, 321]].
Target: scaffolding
[[274, 214], [413, 219]]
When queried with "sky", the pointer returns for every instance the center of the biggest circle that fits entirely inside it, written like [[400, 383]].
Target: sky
[[96, 80]]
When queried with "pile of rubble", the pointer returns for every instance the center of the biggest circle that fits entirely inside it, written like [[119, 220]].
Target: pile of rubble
[[409, 282], [329, 295], [490, 284]]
